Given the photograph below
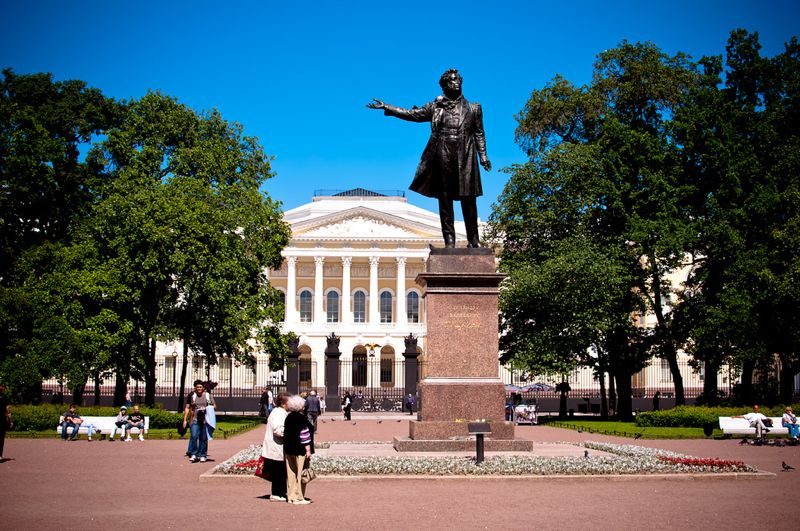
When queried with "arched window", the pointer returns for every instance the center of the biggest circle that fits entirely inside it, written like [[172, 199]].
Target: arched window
[[360, 307], [386, 307], [305, 306], [332, 307], [412, 307]]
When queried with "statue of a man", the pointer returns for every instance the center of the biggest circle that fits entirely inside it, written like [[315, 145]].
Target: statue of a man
[[448, 169]]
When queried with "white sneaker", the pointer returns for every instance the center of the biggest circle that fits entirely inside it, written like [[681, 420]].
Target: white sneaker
[[202, 459], [299, 502], [277, 499], [128, 439], [89, 439], [141, 437], [193, 459]]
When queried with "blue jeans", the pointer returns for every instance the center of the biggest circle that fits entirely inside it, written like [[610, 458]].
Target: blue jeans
[[74, 427], [794, 429], [198, 440]]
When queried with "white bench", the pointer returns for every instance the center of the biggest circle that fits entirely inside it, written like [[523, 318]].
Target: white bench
[[100, 426], [738, 426]]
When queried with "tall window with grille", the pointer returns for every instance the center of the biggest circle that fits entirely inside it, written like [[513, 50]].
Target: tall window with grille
[[664, 374], [387, 371], [412, 307], [332, 307], [359, 307], [359, 370], [305, 370], [225, 368], [305, 306], [198, 368], [386, 307], [170, 363]]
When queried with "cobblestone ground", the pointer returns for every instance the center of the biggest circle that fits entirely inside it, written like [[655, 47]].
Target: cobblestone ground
[[50, 484]]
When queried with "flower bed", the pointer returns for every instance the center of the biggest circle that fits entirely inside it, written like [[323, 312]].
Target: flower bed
[[626, 459]]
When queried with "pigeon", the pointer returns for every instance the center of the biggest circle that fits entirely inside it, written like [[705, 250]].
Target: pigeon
[[743, 441], [786, 467], [398, 420], [638, 436], [354, 424], [380, 421]]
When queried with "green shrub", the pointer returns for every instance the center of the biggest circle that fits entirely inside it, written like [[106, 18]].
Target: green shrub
[[695, 417]]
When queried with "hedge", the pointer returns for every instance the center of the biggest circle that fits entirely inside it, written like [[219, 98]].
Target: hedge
[[696, 417], [45, 416]]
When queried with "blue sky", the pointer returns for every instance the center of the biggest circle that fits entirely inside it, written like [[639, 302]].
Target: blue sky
[[297, 75]]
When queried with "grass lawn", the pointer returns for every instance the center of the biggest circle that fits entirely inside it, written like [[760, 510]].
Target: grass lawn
[[627, 429], [227, 426]]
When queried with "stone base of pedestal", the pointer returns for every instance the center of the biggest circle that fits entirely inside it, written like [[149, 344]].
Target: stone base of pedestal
[[451, 399], [465, 444], [442, 430]]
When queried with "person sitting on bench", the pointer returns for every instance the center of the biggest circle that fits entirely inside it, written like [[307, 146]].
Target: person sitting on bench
[[756, 420]]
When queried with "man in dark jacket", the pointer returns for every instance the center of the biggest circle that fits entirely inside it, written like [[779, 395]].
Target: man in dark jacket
[[448, 169], [313, 409]]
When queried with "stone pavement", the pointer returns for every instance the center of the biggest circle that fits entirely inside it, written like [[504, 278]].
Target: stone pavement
[[50, 484]]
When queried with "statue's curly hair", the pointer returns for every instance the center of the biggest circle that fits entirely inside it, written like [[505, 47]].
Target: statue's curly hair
[[447, 74]]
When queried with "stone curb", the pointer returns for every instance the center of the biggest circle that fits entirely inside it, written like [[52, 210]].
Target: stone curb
[[244, 478]]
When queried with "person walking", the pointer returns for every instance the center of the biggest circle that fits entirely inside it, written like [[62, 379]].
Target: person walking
[[298, 445], [194, 416], [347, 405], [272, 448], [313, 409]]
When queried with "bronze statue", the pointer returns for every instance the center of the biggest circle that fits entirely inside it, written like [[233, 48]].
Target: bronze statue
[[448, 169]]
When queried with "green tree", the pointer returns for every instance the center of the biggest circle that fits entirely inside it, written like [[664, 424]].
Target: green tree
[[740, 146], [603, 165], [48, 189], [186, 233]]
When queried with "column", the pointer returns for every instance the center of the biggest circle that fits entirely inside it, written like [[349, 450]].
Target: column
[[401, 319], [319, 316], [374, 312], [347, 313], [291, 290]]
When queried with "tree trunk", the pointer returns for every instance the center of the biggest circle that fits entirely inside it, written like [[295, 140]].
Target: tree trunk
[[562, 405], [786, 376], [120, 388], [77, 393], [746, 387], [184, 367], [150, 374], [624, 398], [668, 349], [612, 394], [677, 378], [710, 389], [603, 400], [97, 388]]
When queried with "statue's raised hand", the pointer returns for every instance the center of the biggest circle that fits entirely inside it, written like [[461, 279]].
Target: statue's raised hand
[[377, 104]]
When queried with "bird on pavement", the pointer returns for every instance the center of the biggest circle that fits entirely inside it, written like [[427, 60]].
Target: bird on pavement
[[354, 424], [786, 467], [744, 441], [380, 421], [638, 436]]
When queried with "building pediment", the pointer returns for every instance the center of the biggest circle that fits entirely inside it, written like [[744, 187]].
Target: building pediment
[[363, 223]]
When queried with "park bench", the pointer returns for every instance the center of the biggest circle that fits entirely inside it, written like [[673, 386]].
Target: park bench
[[100, 426], [737, 426]]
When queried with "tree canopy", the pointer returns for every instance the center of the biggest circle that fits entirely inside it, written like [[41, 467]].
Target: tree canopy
[[172, 241]]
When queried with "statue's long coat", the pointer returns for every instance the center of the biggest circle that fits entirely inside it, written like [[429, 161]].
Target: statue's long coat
[[471, 143]]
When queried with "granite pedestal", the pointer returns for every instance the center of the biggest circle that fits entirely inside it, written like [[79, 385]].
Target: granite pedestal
[[461, 382]]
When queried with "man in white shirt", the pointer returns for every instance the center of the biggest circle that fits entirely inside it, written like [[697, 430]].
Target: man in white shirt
[[756, 420]]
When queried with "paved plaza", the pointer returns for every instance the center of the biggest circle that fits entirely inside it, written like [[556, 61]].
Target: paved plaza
[[51, 484]]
